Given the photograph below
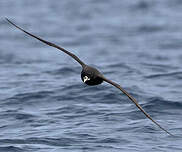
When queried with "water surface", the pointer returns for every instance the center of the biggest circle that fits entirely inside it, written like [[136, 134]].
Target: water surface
[[44, 106]]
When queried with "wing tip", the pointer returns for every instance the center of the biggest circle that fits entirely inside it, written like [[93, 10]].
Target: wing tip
[[6, 19]]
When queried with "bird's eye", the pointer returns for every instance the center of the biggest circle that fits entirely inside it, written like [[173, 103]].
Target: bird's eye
[[86, 78]]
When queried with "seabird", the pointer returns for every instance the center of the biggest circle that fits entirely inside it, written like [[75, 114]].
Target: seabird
[[91, 76]]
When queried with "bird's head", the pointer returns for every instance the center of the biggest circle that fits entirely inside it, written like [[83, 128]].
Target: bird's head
[[91, 76]]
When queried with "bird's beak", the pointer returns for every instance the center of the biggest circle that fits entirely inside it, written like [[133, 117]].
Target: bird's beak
[[85, 78]]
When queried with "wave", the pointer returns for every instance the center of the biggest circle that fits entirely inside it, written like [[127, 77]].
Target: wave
[[11, 149], [64, 71], [160, 104], [44, 141], [24, 98], [173, 75]]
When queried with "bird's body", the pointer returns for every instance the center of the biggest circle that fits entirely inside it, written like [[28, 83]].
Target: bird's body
[[90, 75]]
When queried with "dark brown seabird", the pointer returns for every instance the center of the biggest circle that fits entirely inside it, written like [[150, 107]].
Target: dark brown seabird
[[92, 76]]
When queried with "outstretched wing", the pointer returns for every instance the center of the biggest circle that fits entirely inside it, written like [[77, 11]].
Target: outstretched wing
[[49, 43], [135, 102]]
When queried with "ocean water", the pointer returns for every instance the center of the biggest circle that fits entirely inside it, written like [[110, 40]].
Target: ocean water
[[45, 107]]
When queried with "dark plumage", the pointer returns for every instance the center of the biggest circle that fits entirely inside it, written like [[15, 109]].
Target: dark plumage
[[90, 75], [93, 74]]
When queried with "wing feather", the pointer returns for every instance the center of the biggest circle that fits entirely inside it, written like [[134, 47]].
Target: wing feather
[[49, 43], [135, 102]]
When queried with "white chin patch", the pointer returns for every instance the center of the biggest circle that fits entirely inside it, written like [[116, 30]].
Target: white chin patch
[[85, 78]]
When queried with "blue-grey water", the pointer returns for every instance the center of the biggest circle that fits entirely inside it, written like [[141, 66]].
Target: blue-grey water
[[45, 107]]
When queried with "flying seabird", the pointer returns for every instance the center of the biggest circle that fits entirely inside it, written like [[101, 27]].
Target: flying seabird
[[90, 75]]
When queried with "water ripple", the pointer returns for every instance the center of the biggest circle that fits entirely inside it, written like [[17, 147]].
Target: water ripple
[[172, 75], [45, 107]]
